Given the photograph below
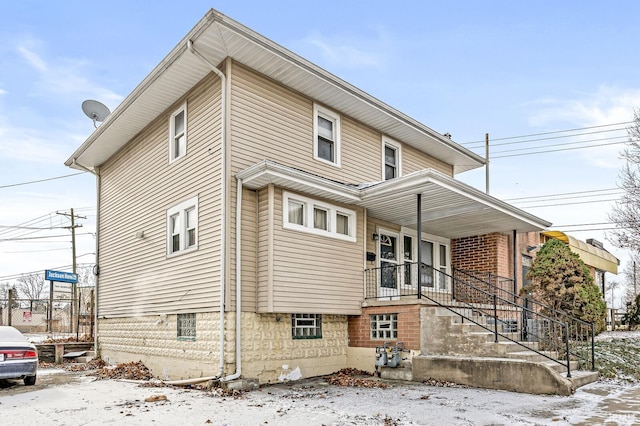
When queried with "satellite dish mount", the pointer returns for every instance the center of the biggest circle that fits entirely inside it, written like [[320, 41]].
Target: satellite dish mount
[[95, 110]]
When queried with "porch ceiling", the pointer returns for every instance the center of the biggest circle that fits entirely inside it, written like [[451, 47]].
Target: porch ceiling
[[218, 37], [450, 208]]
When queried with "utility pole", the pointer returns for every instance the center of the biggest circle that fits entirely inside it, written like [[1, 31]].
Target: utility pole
[[486, 165], [73, 227]]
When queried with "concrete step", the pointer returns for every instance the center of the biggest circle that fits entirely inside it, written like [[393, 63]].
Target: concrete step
[[562, 368], [581, 377]]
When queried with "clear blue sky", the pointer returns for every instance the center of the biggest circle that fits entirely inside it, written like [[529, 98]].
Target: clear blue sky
[[465, 67]]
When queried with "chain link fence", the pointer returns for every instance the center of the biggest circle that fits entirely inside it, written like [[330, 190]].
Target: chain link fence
[[54, 318]]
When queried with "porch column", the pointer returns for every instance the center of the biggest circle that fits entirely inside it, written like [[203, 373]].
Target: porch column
[[515, 263], [419, 232]]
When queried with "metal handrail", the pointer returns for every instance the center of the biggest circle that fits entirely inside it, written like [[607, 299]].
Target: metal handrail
[[484, 300], [578, 330]]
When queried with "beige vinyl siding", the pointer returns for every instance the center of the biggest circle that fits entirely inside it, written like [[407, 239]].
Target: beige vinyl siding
[[249, 251], [270, 121], [414, 160], [138, 185], [264, 258], [311, 273]]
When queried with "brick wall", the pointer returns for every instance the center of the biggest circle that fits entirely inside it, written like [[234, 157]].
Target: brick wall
[[408, 326], [480, 252]]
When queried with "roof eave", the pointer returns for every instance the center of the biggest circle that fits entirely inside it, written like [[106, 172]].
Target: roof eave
[[422, 137]]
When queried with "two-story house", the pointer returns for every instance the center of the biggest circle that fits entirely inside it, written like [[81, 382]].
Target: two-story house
[[260, 217]]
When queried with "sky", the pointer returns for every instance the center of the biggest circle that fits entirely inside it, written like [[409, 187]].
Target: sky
[[507, 69]]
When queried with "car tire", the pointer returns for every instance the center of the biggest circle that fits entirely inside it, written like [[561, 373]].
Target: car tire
[[30, 380]]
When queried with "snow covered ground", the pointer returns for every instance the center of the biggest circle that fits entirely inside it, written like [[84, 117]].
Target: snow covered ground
[[76, 398], [86, 401]]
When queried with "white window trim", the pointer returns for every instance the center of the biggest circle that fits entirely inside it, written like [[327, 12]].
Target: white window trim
[[432, 239], [330, 115], [172, 123], [386, 141], [308, 227], [181, 209]]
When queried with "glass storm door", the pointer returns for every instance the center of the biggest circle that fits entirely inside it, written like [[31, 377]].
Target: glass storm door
[[389, 276], [426, 264]]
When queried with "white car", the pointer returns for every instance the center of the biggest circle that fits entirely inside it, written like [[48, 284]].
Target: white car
[[18, 357]]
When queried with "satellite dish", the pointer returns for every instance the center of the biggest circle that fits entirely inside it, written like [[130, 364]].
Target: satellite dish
[[95, 110]]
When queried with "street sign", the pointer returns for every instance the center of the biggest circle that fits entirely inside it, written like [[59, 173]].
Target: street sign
[[65, 277]]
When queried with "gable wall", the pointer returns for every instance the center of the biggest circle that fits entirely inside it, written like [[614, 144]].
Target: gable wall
[[137, 187]]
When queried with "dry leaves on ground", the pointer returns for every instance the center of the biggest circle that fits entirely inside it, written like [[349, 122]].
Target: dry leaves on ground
[[349, 377], [128, 370]]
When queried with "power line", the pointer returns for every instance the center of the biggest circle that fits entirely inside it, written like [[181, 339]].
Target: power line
[[561, 194], [41, 180], [551, 133], [557, 150], [564, 144], [43, 237], [571, 204]]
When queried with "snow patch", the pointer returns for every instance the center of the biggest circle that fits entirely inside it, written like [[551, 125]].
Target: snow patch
[[292, 375]]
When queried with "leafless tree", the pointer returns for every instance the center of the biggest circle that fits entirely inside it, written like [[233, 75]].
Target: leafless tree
[[631, 275], [31, 286], [626, 213], [86, 277], [610, 290]]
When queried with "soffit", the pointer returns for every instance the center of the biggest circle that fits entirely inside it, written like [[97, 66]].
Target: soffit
[[218, 37]]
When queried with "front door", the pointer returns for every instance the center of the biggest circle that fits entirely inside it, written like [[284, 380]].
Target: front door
[[389, 266]]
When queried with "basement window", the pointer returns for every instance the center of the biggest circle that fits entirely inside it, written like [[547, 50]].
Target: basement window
[[187, 326], [384, 326], [306, 326]]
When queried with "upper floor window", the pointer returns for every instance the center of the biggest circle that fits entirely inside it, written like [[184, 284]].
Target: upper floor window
[[326, 135], [178, 133], [307, 215], [390, 159], [182, 226]]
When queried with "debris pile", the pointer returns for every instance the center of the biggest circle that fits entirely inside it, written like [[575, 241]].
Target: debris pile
[[85, 338], [442, 383], [128, 370], [349, 377], [94, 364]]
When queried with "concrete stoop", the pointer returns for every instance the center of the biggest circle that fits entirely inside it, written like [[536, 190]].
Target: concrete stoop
[[514, 375], [465, 353]]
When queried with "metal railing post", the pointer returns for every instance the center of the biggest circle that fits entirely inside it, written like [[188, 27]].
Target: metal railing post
[[495, 317], [593, 348], [566, 338]]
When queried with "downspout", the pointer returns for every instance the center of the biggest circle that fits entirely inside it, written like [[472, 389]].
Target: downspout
[[96, 271], [223, 215]]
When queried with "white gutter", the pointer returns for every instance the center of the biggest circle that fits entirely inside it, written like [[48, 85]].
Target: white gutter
[[223, 184]]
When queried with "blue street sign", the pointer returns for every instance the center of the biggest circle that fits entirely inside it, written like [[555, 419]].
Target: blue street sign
[[64, 277]]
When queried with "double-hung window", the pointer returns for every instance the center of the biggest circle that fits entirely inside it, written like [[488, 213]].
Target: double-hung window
[[178, 133], [182, 227], [326, 135], [316, 217], [390, 159]]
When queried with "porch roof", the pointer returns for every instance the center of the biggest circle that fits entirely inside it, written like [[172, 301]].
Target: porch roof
[[450, 208]]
